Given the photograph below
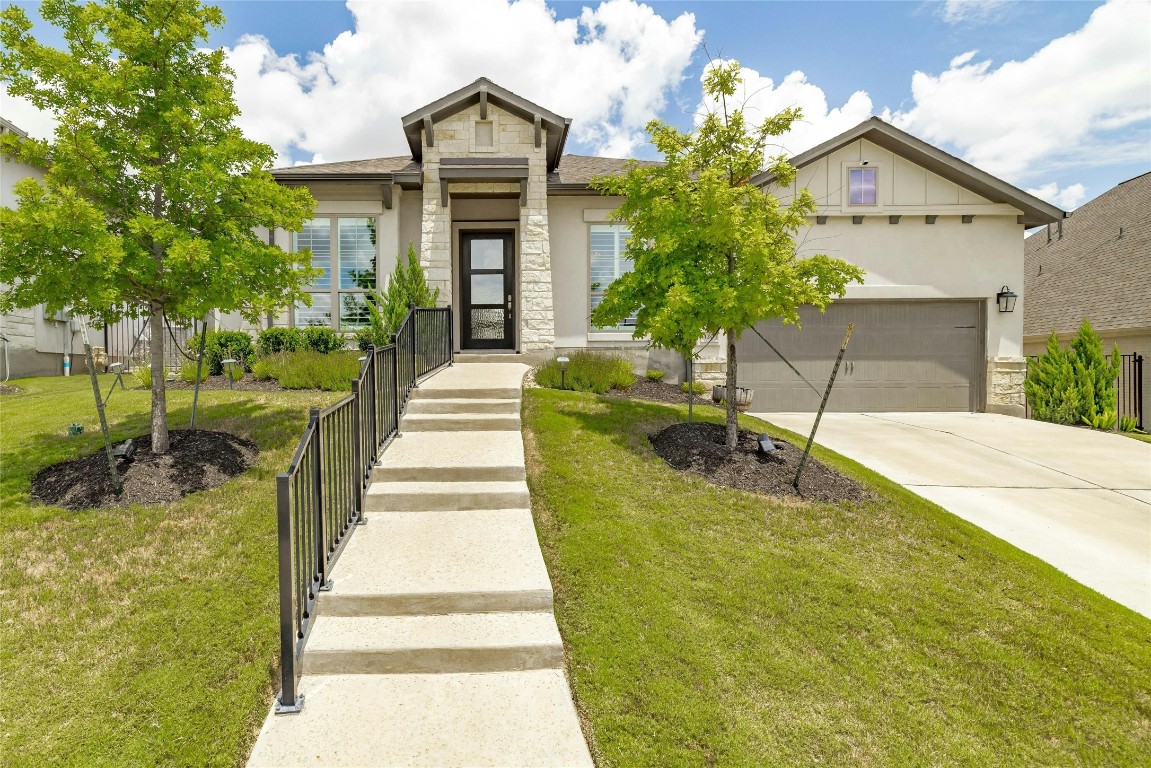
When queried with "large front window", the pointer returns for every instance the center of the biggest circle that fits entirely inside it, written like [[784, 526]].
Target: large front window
[[608, 261], [339, 302]]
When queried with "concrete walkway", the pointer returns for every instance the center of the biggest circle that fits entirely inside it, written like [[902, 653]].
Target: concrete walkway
[[437, 645], [1079, 499]]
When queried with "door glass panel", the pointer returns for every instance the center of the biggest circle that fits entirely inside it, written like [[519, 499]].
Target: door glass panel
[[487, 323], [487, 289], [488, 254]]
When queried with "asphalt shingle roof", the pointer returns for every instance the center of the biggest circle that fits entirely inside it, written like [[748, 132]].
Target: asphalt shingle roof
[[1093, 271], [374, 165]]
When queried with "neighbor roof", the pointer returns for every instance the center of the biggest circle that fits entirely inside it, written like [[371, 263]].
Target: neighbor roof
[[9, 127], [1098, 269], [557, 127], [349, 170], [575, 172], [1035, 211]]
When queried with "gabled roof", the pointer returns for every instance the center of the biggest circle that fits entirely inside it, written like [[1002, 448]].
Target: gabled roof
[[1035, 211], [1096, 266], [7, 126], [482, 88]]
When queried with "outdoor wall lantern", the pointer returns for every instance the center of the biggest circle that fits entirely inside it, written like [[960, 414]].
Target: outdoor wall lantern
[[563, 361], [1006, 299], [230, 369]]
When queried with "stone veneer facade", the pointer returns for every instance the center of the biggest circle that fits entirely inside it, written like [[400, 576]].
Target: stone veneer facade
[[454, 136], [1005, 377]]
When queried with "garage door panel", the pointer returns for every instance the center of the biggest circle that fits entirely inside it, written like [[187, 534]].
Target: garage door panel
[[903, 356]]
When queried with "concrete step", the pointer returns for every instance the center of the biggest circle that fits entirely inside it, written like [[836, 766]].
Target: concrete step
[[510, 719], [457, 642], [414, 563], [468, 393], [453, 457], [446, 496], [459, 422], [463, 405]]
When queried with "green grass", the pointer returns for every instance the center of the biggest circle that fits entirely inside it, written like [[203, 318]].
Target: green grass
[[144, 635], [1141, 436], [708, 626]]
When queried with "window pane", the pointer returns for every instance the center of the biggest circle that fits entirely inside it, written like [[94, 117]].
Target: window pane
[[353, 311], [484, 133], [608, 262], [317, 235], [320, 313], [357, 253], [487, 289], [861, 186], [487, 254]]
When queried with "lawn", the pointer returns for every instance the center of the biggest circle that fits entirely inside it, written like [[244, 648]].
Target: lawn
[[708, 626], [145, 635]]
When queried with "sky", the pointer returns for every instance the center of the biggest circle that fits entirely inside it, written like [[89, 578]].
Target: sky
[[1054, 97]]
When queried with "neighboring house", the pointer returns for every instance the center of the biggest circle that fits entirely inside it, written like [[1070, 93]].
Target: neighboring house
[[1096, 265], [35, 341], [517, 243]]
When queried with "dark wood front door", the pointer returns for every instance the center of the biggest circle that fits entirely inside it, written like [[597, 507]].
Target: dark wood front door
[[487, 282]]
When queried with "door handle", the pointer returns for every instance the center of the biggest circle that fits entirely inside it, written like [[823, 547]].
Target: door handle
[[509, 302]]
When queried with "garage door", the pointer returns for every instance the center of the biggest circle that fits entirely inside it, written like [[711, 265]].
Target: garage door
[[904, 356]]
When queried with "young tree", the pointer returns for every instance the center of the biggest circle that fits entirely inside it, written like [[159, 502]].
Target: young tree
[[712, 252], [388, 308], [151, 193]]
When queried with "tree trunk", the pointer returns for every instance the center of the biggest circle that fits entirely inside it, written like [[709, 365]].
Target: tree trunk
[[159, 395], [732, 411]]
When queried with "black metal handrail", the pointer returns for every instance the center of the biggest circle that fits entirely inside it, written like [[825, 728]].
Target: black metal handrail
[[320, 498]]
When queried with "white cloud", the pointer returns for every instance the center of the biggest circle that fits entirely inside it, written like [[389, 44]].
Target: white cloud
[[610, 70], [762, 98], [973, 11], [1068, 198], [1014, 119]]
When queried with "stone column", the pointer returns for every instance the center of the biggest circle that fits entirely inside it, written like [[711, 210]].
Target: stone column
[[537, 313], [436, 236], [1005, 385]]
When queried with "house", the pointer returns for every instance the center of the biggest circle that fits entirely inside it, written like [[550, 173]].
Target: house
[[34, 340], [1096, 265], [509, 231]]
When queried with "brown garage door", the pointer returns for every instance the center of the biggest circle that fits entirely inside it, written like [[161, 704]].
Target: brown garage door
[[904, 356]]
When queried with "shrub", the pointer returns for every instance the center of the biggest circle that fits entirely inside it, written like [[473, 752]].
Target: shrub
[[1074, 385], [143, 376], [188, 372], [654, 374], [387, 309], [269, 367], [312, 370], [275, 340], [1130, 424], [588, 372], [696, 387], [225, 345], [319, 338]]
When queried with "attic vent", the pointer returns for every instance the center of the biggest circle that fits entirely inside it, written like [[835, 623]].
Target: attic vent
[[1120, 233], [485, 134]]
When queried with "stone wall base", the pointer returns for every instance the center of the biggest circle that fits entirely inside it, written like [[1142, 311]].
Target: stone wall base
[[1005, 385]]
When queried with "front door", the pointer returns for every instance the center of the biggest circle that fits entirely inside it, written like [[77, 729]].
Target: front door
[[487, 281]]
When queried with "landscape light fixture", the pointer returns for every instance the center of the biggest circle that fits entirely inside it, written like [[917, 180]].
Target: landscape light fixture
[[1006, 299], [766, 445], [230, 369], [563, 361]]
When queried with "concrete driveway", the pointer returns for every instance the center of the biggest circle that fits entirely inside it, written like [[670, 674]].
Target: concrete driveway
[[1081, 500]]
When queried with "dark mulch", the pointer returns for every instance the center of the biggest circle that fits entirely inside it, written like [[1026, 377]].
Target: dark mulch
[[198, 460], [246, 384], [699, 448], [8, 389], [646, 389]]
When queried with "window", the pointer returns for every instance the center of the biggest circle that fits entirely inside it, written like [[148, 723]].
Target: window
[[354, 260], [861, 186], [608, 262]]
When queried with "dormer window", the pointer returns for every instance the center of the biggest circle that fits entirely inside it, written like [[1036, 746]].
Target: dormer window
[[861, 186]]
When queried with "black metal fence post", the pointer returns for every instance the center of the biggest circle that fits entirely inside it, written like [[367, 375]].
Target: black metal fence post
[[290, 700], [396, 380], [320, 458], [451, 337], [357, 444]]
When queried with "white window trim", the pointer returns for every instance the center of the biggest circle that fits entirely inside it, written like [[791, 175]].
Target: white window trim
[[334, 290], [881, 171]]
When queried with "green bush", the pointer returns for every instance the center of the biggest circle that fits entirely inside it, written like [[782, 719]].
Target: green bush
[[269, 367], [387, 309], [1130, 424], [312, 370], [696, 387], [188, 372], [1074, 385], [654, 374], [275, 340], [319, 338], [225, 345], [143, 376], [588, 372]]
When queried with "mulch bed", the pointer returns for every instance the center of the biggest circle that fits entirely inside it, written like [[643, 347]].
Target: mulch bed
[[699, 448], [8, 389], [198, 460], [658, 391], [246, 384]]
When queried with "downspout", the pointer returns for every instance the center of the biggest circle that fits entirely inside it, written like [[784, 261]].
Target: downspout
[[7, 365]]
